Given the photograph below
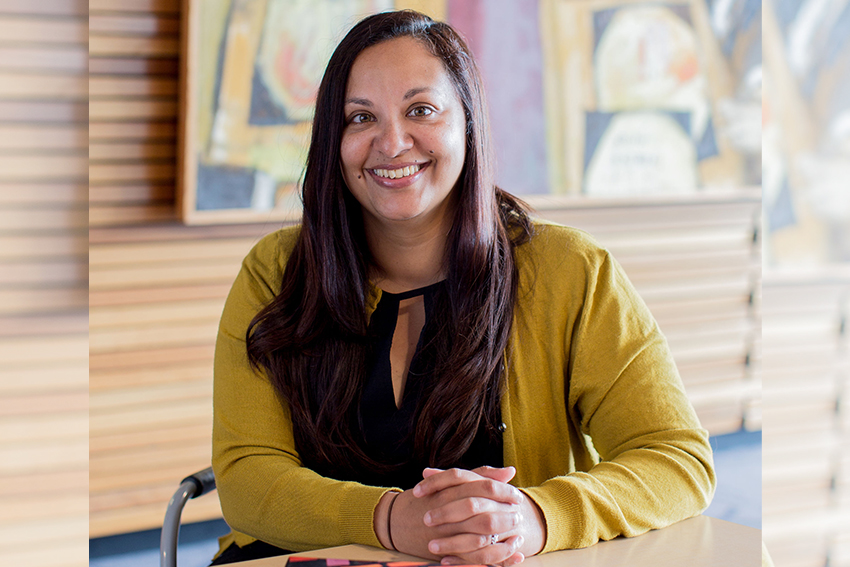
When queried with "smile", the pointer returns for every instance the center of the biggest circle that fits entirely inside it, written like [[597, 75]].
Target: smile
[[397, 173]]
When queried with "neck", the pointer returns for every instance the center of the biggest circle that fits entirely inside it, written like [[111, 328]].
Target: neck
[[407, 255]]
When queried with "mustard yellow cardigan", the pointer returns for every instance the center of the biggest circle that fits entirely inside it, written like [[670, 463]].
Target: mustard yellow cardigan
[[599, 429]]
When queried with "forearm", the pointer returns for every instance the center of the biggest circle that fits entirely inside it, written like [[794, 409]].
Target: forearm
[[295, 508], [265, 491], [643, 488]]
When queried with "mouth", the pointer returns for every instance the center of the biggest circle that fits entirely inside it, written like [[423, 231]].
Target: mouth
[[400, 176], [400, 172]]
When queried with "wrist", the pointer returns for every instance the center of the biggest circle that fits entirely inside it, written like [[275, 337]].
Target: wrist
[[381, 519], [535, 527]]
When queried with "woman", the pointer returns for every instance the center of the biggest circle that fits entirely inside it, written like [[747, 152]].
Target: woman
[[420, 366]]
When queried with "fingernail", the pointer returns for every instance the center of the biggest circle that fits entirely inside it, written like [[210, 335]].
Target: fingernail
[[417, 491], [434, 547], [519, 542], [427, 518]]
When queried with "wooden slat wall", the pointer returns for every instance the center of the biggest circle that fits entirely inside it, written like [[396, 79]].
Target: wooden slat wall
[[43, 278], [806, 436], [156, 293], [696, 263], [157, 287], [133, 85]]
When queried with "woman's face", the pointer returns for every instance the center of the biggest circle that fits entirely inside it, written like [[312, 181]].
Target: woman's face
[[404, 143]]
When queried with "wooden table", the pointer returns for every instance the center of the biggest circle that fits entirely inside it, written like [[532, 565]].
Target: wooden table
[[697, 542]]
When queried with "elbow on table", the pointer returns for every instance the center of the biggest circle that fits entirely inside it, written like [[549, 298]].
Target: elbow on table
[[704, 478]]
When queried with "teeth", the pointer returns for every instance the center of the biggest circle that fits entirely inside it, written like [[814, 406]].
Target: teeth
[[397, 173]]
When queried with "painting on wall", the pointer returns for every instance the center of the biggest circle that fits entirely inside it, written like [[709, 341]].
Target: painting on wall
[[642, 119], [251, 72], [603, 98], [806, 147]]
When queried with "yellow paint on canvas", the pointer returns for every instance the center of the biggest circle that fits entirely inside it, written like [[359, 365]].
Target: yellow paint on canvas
[[213, 21], [437, 9]]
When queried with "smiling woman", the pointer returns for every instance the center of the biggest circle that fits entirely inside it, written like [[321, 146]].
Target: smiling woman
[[419, 365], [404, 141]]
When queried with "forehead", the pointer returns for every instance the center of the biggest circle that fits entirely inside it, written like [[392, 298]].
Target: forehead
[[397, 65]]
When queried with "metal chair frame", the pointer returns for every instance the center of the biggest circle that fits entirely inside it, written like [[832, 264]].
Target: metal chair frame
[[192, 486]]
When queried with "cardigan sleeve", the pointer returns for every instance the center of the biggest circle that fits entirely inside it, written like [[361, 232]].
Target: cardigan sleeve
[[626, 402], [265, 491]]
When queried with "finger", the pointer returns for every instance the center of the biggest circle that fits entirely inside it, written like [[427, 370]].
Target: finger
[[485, 488], [504, 474], [441, 480], [492, 523], [506, 515], [494, 489], [497, 553], [430, 472], [458, 544], [514, 559]]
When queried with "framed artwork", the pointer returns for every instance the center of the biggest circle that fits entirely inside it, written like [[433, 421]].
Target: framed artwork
[[631, 90], [595, 97], [806, 148], [250, 72]]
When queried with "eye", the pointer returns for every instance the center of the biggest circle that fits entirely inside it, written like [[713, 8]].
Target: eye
[[360, 118], [421, 111]]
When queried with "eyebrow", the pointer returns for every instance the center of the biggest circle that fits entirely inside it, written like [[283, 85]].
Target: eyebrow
[[409, 94], [415, 91], [360, 101]]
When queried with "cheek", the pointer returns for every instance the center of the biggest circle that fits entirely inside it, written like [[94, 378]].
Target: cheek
[[353, 148], [346, 153], [457, 147], [351, 162]]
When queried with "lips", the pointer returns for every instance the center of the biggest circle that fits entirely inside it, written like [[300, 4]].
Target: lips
[[399, 175]]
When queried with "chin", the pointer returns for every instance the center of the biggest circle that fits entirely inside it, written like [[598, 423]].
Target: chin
[[400, 217]]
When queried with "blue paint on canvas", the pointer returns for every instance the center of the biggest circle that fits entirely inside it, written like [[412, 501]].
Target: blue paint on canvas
[[596, 123], [707, 146], [781, 213], [265, 111], [221, 187]]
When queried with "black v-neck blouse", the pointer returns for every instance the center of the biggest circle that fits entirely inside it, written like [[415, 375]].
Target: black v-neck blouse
[[387, 430]]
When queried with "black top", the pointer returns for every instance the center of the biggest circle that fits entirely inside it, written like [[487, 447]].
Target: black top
[[387, 430]]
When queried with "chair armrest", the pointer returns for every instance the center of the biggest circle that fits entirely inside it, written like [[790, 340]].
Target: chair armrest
[[190, 487]]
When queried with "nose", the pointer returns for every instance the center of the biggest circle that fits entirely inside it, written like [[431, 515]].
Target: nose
[[393, 139]]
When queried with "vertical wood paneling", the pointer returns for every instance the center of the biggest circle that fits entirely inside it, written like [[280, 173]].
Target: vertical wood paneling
[[43, 283]]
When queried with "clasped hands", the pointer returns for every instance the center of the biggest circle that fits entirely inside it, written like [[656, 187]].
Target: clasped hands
[[453, 515]]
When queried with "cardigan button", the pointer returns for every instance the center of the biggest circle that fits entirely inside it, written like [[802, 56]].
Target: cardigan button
[[502, 427]]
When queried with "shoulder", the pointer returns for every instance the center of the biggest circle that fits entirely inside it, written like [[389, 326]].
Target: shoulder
[[555, 245], [273, 250], [277, 243], [263, 267]]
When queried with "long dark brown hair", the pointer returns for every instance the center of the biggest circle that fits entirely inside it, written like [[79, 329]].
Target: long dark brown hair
[[312, 339]]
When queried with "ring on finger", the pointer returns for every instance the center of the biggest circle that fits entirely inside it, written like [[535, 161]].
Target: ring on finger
[[494, 539]]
